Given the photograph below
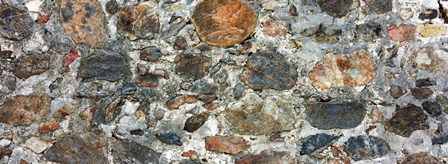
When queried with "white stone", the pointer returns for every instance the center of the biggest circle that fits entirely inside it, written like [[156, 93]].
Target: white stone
[[34, 5], [36, 145]]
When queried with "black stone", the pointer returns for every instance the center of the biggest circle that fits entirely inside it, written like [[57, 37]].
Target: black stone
[[439, 140], [169, 138], [335, 115], [432, 108], [137, 132], [362, 147], [407, 120], [195, 122], [425, 82], [428, 14], [104, 66], [335, 8], [317, 142]]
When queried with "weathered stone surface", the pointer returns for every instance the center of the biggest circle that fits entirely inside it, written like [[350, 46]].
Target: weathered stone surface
[[407, 120], [223, 23], [379, 6], [169, 138], [70, 57], [255, 116], [193, 66], [369, 31], [230, 145], [443, 101], [148, 80], [90, 147], [418, 158], [432, 108], [48, 126], [267, 156], [31, 64], [439, 140], [101, 65], [425, 82], [24, 110], [428, 14], [66, 110], [357, 69], [16, 24], [195, 122], [267, 70], [112, 7], [362, 147], [275, 28], [397, 91], [84, 21], [317, 142], [180, 43], [176, 102], [335, 8], [401, 33], [138, 22], [431, 30], [133, 152], [429, 59], [335, 115], [422, 92], [37, 145]]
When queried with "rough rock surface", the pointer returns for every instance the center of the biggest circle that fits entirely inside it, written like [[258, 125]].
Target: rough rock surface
[[139, 21], [24, 109], [108, 66], [32, 64], [335, 115], [407, 120], [16, 24], [230, 145], [362, 147]]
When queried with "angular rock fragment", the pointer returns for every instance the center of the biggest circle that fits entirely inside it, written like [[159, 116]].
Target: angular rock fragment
[[101, 65], [133, 152], [32, 64], [139, 21], [254, 116], [90, 147], [16, 24], [362, 147], [169, 138], [48, 126], [37, 145], [223, 22], [428, 14], [425, 82], [267, 70], [24, 110], [335, 8], [193, 66], [407, 120], [335, 115], [357, 69], [230, 145], [275, 28], [84, 21], [148, 80], [379, 6], [432, 108], [195, 122], [429, 59], [317, 142], [369, 31], [420, 158], [267, 156], [397, 91], [401, 33], [432, 30], [180, 43], [422, 92]]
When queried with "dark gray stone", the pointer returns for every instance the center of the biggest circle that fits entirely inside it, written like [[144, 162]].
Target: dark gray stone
[[169, 138], [335, 115], [112, 7], [362, 147], [195, 122], [428, 14], [432, 108], [15, 24], [133, 152], [32, 64], [369, 31], [193, 66], [380, 6], [439, 140], [335, 8], [425, 82], [101, 65], [317, 142]]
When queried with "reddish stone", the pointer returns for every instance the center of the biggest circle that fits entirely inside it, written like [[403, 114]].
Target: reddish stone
[[24, 110], [275, 28], [418, 158], [190, 154], [48, 126], [267, 156], [44, 19], [70, 57], [230, 145], [223, 22], [401, 33]]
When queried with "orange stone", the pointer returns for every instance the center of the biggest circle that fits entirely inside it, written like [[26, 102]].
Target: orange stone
[[223, 23], [229, 145], [357, 69], [48, 126]]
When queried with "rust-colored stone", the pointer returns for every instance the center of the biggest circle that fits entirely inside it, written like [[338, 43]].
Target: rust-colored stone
[[84, 21], [275, 28], [181, 100], [357, 69], [190, 154], [24, 110], [223, 22], [230, 145], [48, 126]]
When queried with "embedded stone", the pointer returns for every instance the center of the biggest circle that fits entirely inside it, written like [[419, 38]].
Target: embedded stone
[[151, 54], [37, 145], [420, 158], [24, 110], [148, 80], [401, 33], [357, 69], [369, 31], [316, 143], [180, 43], [16, 24], [132, 152], [275, 28], [193, 66], [223, 23], [431, 30], [229, 145], [195, 122], [90, 147], [48, 126], [84, 21], [432, 108], [421, 92], [439, 140], [362, 147], [379, 6], [425, 82], [101, 65], [138, 22], [397, 91], [335, 8], [112, 7], [335, 115], [169, 138], [429, 59], [267, 70], [428, 14], [407, 120], [70, 57], [267, 156], [32, 64]]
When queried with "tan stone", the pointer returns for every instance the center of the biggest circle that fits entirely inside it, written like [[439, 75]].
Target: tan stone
[[431, 30], [357, 69]]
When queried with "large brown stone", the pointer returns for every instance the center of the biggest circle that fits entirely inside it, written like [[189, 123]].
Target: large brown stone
[[407, 120], [24, 110], [358, 69], [136, 22], [223, 22], [32, 64], [15, 24], [84, 21]]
